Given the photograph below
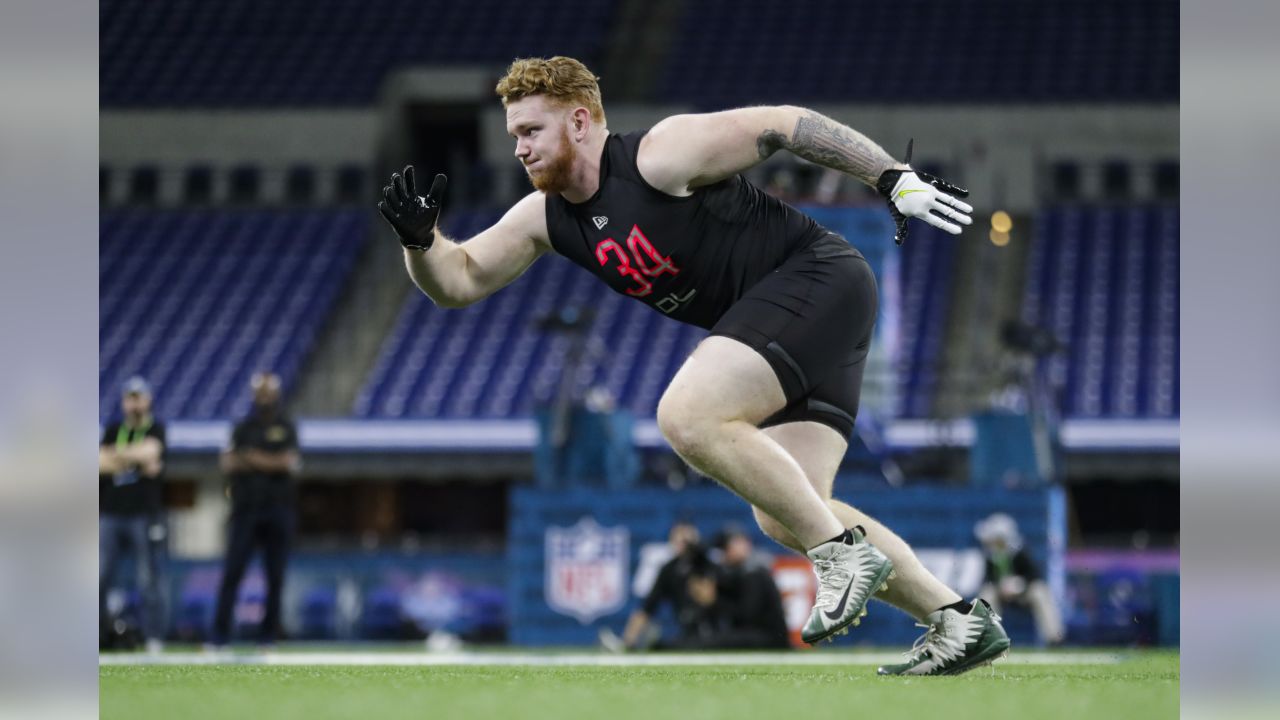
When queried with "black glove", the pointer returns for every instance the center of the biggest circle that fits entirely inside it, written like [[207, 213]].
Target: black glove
[[412, 217], [888, 182]]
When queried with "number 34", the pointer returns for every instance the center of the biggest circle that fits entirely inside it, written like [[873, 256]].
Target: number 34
[[641, 263]]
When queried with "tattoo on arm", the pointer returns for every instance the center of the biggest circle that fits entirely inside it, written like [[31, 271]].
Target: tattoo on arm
[[769, 142], [824, 141]]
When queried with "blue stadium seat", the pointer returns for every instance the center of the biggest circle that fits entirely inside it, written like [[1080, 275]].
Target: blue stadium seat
[[1104, 280], [975, 50], [334, 52], [197, 300], [927, 270], [189, 53]]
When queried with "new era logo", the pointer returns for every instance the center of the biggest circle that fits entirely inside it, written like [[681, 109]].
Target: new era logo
[[600, 221]]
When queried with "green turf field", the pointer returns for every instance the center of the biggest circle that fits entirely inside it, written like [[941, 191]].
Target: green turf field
[[1140, 686]]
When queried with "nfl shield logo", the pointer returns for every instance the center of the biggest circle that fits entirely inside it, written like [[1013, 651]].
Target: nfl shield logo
[[586, 569]]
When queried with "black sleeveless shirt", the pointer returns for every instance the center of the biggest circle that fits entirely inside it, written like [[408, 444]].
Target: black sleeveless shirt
[[691, 257]]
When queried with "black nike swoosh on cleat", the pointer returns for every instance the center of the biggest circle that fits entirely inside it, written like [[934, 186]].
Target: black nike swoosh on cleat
[[835, 614]]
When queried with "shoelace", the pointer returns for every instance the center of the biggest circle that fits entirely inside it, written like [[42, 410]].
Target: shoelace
[[832, 574], [934, 643], [922, 643], [933, 640], [832, 578]]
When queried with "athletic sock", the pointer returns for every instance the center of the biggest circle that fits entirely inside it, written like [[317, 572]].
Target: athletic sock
[[845, 537], [962, 607]]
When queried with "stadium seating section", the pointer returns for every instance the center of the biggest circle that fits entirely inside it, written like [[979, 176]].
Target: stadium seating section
[[337, 52], [927, 262], [1104, 280], [191, 53], [197, 300], [924, 51]]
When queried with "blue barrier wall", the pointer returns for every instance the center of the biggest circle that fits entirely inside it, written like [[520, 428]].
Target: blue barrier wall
[[1123, 598], [349, 596], [569, 548]]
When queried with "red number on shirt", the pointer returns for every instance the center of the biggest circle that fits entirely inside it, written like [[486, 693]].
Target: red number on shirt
[[636, 243], [647, 260], [643, 287]]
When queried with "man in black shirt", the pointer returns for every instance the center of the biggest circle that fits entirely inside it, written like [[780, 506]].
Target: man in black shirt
[[765, 404], [687, 583], [261, 462], [130, 508], [748, 598], [731, 606]]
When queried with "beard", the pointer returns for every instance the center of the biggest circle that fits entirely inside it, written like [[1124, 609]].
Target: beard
[[554, 174]]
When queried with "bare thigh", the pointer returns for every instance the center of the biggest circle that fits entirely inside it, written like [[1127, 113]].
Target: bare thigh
[[723, 380]]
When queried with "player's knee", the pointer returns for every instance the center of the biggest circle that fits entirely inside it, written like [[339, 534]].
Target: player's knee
[[681, 427], [688, 439]]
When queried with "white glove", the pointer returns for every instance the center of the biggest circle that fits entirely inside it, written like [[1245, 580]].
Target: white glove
[[914, 197], [913, 193]]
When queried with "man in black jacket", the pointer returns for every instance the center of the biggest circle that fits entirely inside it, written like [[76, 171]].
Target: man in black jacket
[[687, 583], [747, 597], [261, 462], [731, 605]]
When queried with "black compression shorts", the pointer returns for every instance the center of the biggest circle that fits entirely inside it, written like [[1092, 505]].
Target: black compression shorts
[[812, 320]]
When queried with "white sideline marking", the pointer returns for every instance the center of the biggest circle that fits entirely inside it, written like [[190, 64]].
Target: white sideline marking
[[587, 659]]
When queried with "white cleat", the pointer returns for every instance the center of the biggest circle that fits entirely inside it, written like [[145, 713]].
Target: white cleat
[[849, 571]]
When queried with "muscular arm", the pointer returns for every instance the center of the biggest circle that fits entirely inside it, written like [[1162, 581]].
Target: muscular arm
[[230, 461], [636, 625], [147, 455], [147, 451], [284, 461], [820, 139], [688, 151], [457, 274]]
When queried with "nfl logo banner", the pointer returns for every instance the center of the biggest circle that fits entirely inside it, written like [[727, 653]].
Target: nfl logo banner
[[586, 569]]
